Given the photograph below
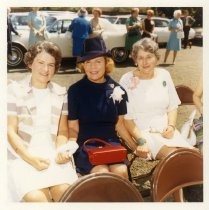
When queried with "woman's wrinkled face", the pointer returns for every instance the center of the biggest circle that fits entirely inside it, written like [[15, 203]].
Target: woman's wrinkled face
[[95, 69], [43, 69], [146, 61], [178, 15]]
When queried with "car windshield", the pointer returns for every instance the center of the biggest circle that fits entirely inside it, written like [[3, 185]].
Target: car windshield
[[111, 19], [161, 23], [121, 21], [50, 20]]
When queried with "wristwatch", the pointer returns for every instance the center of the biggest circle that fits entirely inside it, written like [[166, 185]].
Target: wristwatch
[[141, 141]]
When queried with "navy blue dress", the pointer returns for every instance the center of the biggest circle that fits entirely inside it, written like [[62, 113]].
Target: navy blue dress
[[91, 105]]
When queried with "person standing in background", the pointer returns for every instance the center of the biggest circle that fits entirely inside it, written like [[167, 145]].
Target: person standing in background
[[174, 42], [134, 27], [96, 22], [187, 23], [148, 25], [81, 29], [37, 25], [10, 29]]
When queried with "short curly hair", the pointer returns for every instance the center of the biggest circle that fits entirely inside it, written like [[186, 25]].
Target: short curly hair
[[146, 44], [97, 10], [135, 9], [109, 65], [39, 47]]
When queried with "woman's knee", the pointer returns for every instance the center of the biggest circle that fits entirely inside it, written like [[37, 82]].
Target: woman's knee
[[42, 195], [57, 191], [100, 168], [119, 169]]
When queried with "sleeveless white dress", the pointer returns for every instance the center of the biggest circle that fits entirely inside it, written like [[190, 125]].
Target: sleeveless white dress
[[26, 178], [148, 104]]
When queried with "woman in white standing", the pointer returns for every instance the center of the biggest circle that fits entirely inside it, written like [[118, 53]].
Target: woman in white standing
[[96, 22], [152, 104], [37, 129]]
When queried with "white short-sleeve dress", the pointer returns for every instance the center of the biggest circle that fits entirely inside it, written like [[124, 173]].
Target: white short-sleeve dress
[[149, 101], [26, 178]]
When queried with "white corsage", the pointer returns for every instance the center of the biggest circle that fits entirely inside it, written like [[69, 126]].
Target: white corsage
[[117, 94]]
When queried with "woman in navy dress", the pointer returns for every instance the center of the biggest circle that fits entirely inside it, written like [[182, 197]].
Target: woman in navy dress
[[96, 106], [174, 43]]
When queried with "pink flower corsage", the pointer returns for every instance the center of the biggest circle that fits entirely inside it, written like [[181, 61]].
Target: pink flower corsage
[[134, 82]]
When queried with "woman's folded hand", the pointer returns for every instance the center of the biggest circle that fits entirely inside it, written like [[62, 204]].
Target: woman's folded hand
[[142, 151], [168, 132], [40, 163], [62, 157]]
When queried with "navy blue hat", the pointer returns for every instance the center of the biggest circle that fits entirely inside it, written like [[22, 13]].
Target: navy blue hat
[[92, 48]]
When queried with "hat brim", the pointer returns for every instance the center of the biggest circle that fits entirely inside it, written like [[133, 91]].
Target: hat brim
[[92, 55]]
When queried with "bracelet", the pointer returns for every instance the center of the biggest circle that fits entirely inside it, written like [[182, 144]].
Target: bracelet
[[141, 141], [174, 128]]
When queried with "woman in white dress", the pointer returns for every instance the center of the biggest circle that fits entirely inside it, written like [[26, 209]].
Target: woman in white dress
[[152, 104], [40, 162], [96, 22]]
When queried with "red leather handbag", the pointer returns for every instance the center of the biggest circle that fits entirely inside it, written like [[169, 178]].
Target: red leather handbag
[[106, 153]]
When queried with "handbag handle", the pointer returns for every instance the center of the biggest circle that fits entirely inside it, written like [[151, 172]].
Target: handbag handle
[[95, 140]]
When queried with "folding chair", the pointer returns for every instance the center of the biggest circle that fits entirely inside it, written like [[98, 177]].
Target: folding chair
[[182, 168], [185, 94], [102, 187]]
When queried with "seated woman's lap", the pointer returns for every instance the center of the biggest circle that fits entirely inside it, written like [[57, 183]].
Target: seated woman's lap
[[41, 195], [57, 191], [120, 169]]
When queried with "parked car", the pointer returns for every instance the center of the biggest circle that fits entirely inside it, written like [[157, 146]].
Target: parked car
[[198, 38], [161, 26], [20, 19], [57, 32]]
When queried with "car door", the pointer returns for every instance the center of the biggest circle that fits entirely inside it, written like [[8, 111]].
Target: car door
[[58, 34], [161, 29]]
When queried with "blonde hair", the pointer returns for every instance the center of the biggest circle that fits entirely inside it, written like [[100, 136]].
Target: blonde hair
[[109, 65], [146, 44], [134, 10], [150, 12]]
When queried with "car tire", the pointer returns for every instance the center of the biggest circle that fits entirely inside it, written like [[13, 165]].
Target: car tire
[[17, 56], [119, 54]]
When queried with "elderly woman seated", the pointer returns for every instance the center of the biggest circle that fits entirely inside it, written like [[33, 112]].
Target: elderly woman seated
[[152, 104]]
